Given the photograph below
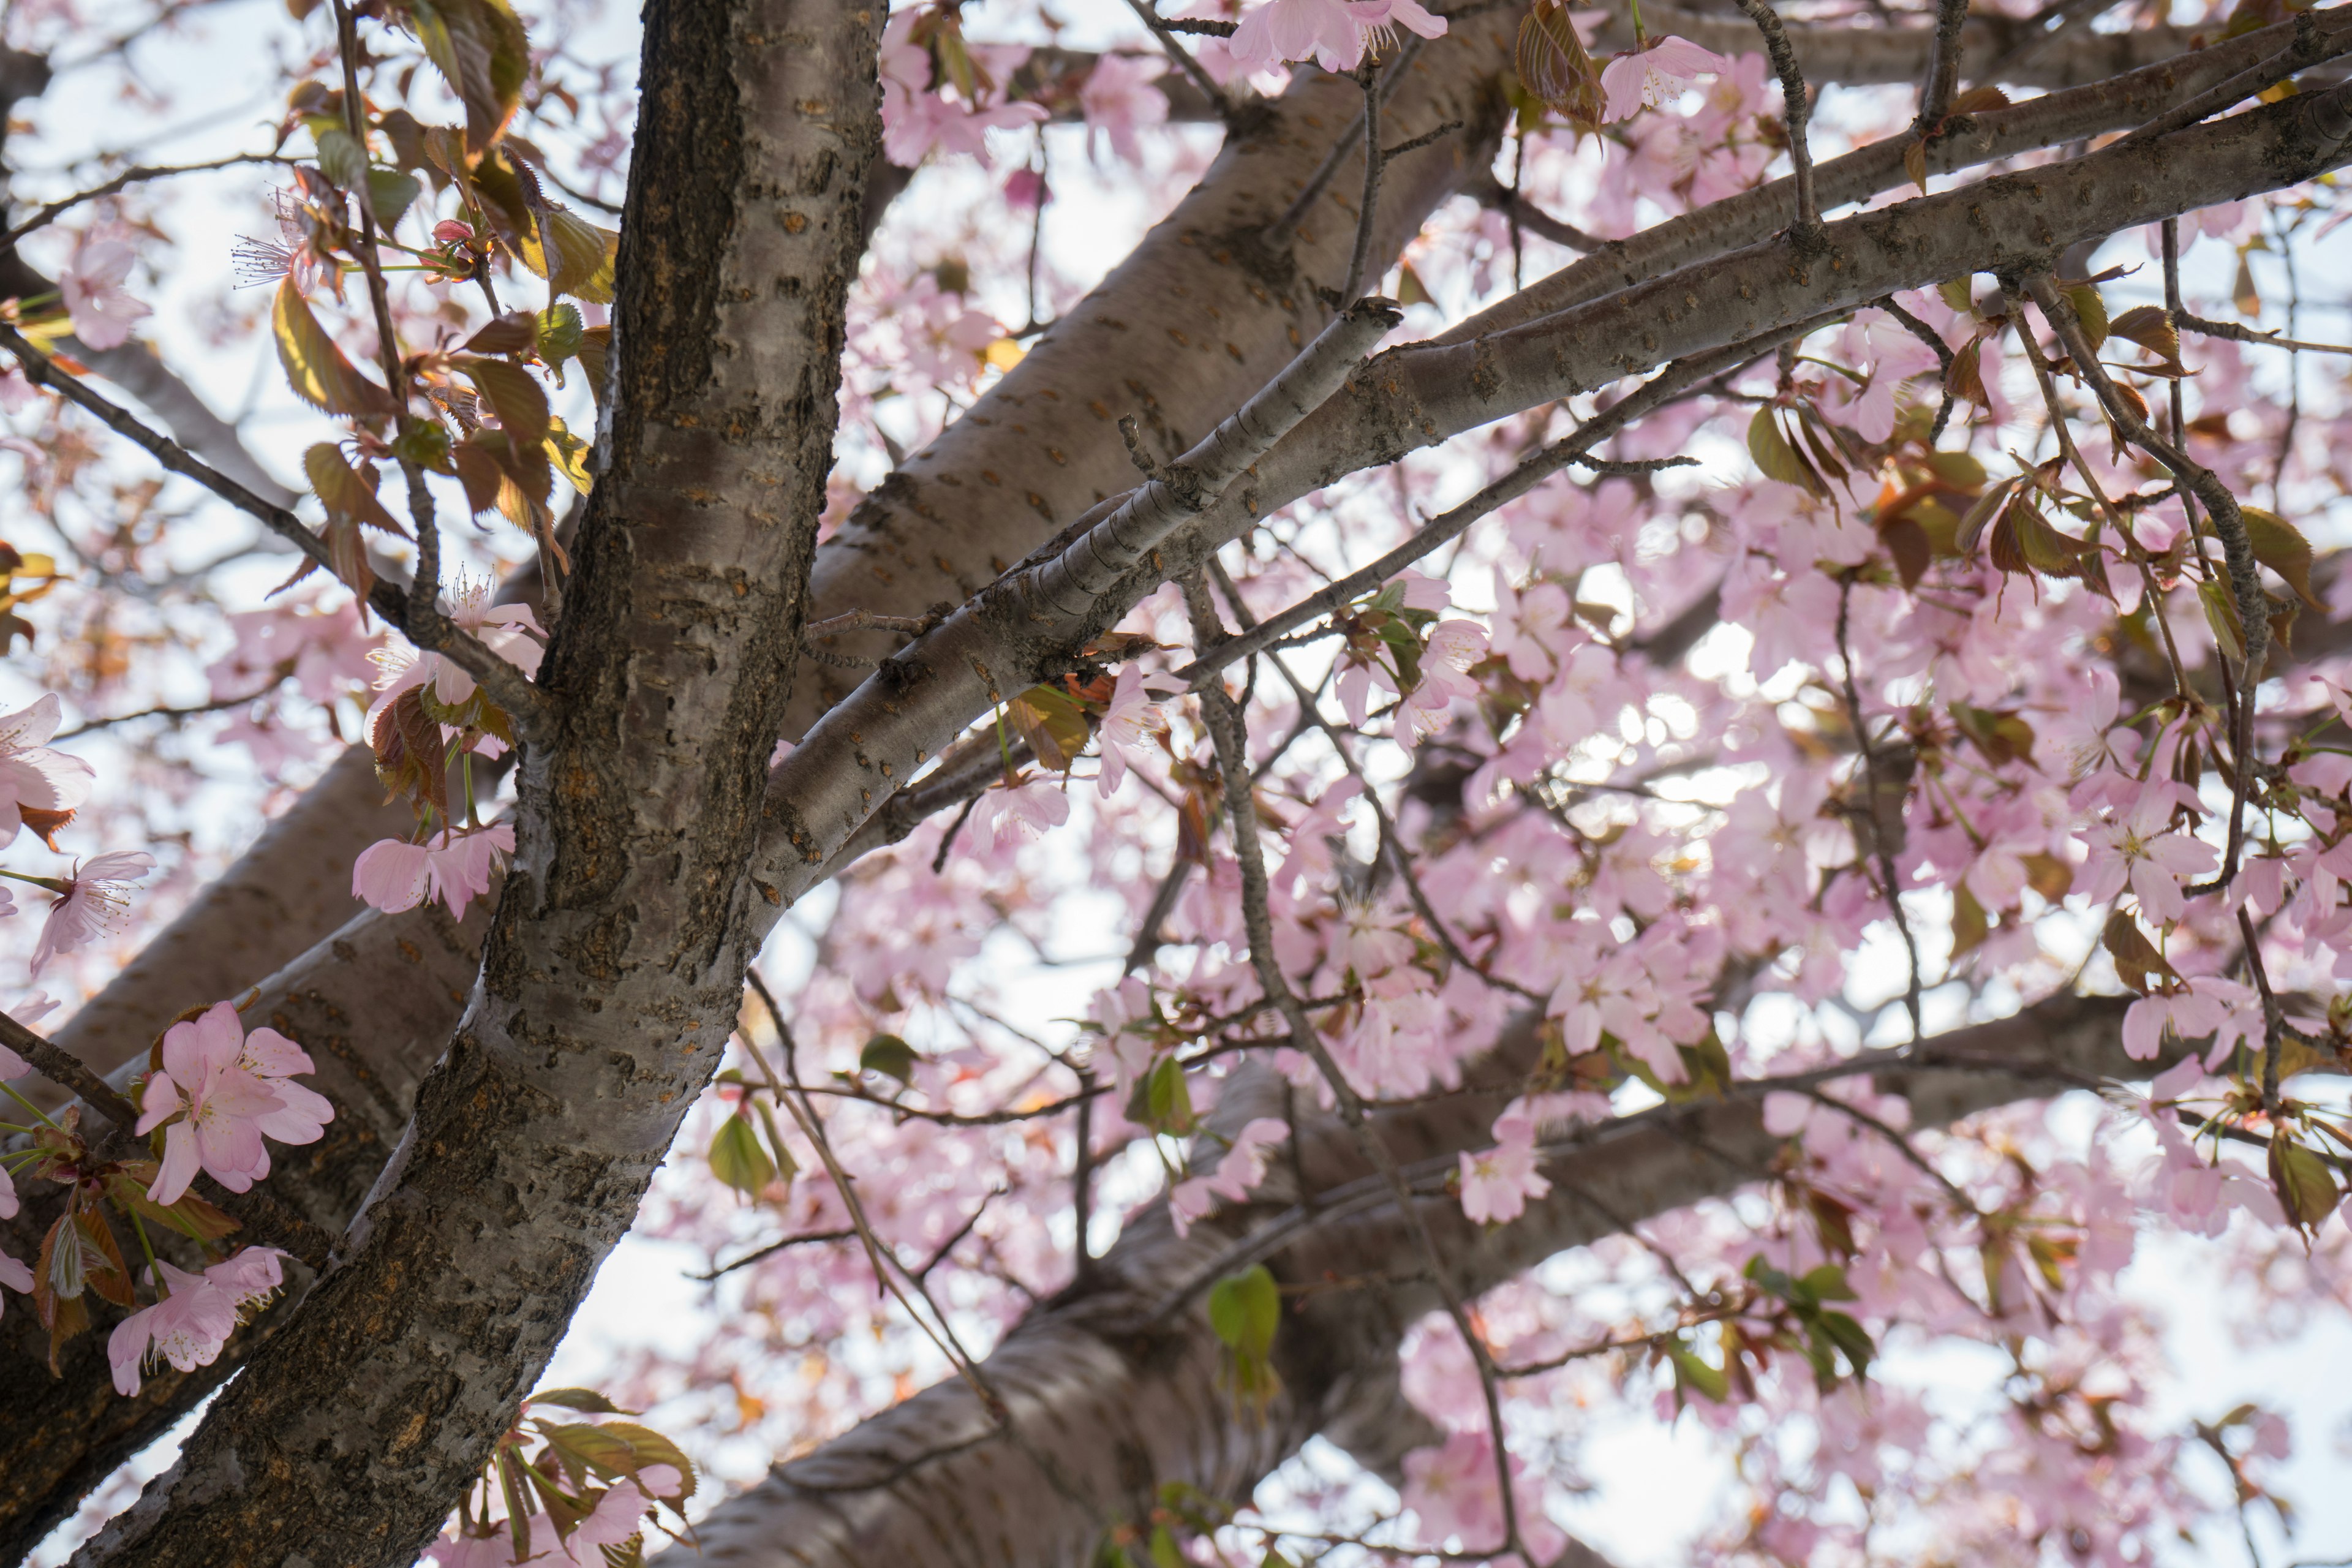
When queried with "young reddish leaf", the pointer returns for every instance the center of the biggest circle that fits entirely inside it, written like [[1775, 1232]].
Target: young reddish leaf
[[1914, 163], [586, 1399], [1965, 380], [108, 1276], [1970, 925], [511, 393], [347, 557], [2151, 329], [1977, 99], [345, 492], [316, 369], [1553, 64], [482, 52], [190, 1216], [2138, 963], [1972, 521], [510, 334], [480, 472], [2281, 546]]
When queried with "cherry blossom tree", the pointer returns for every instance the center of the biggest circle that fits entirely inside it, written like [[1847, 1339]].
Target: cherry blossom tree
[[1707, 654]]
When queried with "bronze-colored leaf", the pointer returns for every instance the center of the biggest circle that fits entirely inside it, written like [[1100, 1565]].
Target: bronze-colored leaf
[[2281, 546], [510, 334], [2138, 963], [481, 51], [315, 367], [344, 491], [511, 393], [1554, 65]]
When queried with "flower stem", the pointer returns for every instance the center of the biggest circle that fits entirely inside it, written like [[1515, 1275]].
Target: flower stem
[[29, 1105], [163, 1291]]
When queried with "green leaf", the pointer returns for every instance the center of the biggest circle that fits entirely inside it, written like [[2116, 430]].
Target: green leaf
[[1693, 1376], [1168, 1100], [342, 159], [2092, 311], [315, 367], [1773, 454], [559, 331], [737, 1159], [2281, 546], [1246, 1310], [573, 255], [2222, 615], [2305, 1183], [391, 193], [889, 1056]]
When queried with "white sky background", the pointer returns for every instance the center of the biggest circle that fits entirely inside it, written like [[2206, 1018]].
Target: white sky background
[[1652, 1483]]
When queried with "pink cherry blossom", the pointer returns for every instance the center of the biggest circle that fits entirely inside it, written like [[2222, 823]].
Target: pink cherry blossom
[[461, 867], [1118, 100], [1655, 76], [1014, 814], [2141, 850], [251, 1277], [15, 1275], [1127, 729], [510, 631], [1452, 1489], [92, 905], [1243, 1167], [1496, 1185], [1453, 647], [1326, 31], [215, 1097], [16, 394], [186, 1327], [31, 774], [392, 874], [103, 311], [618, 1515]]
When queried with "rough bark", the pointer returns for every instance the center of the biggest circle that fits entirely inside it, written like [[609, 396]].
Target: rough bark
[[615, 959], [1118, 1382], [1196, 318], [1032, 454], [372, 1042], [1992, 48]]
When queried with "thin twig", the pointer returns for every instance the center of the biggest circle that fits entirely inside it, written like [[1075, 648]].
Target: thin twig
[[67, 1071], [1182, 58], [1228, 733], [1807, 230], [1943, 65], [51, 213], [1868, 816]]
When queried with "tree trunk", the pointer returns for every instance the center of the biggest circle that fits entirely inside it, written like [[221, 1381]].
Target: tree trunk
[[616, 960]]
